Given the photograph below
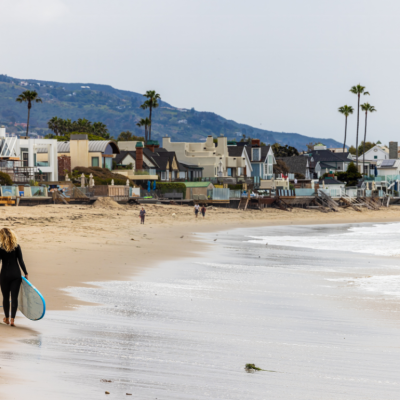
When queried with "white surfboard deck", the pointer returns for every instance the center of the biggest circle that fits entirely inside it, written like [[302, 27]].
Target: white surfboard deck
[[30, 302]]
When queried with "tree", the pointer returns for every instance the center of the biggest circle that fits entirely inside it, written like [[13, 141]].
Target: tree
[[284, 151], [368, 109], [29, 96], [62, 127], [5, 179], [351, 176], [358, 90], [129, 136], [310, 146], [346, 111], [281, 168], [352, 150], [147, 124], [150, 103]]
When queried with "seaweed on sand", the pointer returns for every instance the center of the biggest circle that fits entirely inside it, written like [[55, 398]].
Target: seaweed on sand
[[252, 368]]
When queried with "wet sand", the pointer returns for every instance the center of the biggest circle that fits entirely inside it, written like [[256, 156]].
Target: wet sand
[[66, 246], [185, 328]]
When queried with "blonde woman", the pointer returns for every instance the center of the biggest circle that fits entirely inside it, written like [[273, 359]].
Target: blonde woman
[[10, 276]]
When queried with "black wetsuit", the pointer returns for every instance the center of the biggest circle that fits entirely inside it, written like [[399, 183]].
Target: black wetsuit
[[10, 278]]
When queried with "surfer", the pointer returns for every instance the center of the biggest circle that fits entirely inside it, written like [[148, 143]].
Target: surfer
[[10, 276]]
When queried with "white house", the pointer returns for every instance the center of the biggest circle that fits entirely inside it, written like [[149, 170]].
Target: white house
[[388, 167], [19, 158], [378, 152]]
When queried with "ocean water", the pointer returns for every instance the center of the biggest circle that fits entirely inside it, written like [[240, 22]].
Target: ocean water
[[304, 303]]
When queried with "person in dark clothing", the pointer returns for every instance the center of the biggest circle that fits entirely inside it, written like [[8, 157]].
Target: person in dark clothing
[[203, 211], [142, 215], [10, 276]]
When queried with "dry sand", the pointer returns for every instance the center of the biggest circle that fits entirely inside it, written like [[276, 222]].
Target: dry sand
[[67, 246]]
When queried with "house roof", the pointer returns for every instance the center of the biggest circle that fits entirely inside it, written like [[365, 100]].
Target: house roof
[[123, 153], [328, 156], [332, 181], [264, 153], [95, 146], [393, 163], [296, 164], [235, 151], [197, 184]]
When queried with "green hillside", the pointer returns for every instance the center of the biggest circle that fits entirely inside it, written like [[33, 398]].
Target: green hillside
[[120, 110]]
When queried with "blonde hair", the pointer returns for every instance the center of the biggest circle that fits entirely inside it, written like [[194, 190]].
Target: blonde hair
[[8, 239]]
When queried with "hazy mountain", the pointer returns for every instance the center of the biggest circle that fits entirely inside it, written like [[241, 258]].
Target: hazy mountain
[[120, 110]]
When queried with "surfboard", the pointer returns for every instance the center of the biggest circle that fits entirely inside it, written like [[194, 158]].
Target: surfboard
[[30, 301]]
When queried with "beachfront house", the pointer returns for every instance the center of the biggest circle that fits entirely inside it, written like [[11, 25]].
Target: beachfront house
[[20, 157], [376, 153], [298, 165], [156, 160], [215, 159], [322, 160], [89, 153], [388, 168], [261, 157]]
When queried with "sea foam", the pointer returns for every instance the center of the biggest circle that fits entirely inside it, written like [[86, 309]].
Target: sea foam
[[380, 240]]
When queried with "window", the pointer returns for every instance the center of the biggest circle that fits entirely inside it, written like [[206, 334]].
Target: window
[[256, 154], [25, 159], [229, 172], [95, 161], [375, 157], [163, 175], [270, 159], [34, 160]]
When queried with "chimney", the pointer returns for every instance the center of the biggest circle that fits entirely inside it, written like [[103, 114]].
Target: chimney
[[139, 155], [255, 143], [2, 131], [393, 150], [152, 144]]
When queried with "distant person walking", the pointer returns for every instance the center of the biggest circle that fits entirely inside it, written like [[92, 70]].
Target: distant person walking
[[196, 210], [10, 276], [142, 215], [203, 211]]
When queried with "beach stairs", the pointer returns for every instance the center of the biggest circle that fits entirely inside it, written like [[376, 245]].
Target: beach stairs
[[351, 202], [371, 203], [386, 201], [58, 198], [282, 204], [327, 201], [244, 202]]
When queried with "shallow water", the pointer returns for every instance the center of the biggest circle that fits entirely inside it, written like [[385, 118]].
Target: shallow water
[[324, 320]]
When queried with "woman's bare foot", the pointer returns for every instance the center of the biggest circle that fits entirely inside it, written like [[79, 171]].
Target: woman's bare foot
[[6, 321], [12, 322]]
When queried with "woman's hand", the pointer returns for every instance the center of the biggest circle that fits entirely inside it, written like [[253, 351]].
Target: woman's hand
[[26, 277]]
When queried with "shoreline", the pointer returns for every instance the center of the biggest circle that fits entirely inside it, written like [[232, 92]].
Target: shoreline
[[80, 244], [85, 244]]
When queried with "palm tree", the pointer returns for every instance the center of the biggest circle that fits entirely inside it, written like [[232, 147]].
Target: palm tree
[[358, 90], [346, 111], [29, 96], [151, 103], [55, 125], [367, 108], [146, 123], [100, 129]]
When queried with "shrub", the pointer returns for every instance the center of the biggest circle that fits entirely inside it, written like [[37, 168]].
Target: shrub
[[5, 179], [168, 187]]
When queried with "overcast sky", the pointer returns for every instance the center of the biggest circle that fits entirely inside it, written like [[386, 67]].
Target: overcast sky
[[282, 65]]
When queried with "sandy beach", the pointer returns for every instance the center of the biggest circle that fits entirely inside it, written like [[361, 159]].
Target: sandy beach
[[67, 246]]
